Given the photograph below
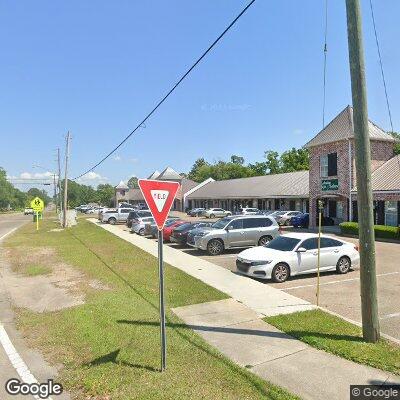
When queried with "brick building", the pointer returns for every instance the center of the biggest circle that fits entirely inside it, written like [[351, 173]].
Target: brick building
[[332, 172]]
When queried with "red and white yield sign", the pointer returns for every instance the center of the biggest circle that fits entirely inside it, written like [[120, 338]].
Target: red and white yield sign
[[159, 196]]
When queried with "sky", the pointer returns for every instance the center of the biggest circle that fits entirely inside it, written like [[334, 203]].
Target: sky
[[96, 68]]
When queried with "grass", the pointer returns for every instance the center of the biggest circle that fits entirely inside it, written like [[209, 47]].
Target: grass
[[330, 333], [35, 270], [109, 347]]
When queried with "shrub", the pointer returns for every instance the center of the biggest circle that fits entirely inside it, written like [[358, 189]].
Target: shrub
[[381, 231]]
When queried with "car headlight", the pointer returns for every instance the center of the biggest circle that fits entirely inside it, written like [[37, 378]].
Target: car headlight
[[263, 262]]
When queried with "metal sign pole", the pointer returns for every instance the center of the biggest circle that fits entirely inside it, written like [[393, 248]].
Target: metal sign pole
[[162, 303], [320, 209]]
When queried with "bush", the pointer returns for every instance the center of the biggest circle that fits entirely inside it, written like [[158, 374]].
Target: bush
[[381, 231]]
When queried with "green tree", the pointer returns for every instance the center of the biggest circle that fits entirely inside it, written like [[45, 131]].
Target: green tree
[[294, 160], [35, 192], [237, 160], [396, 135], [272, 162], [105, 194], [133, 183], [194, 174]]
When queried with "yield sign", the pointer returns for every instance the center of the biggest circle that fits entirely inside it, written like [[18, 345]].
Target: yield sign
[[159, 196]]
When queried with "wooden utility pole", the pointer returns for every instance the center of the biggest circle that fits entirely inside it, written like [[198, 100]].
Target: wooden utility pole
[[66, 181], [59, 180], [369, 303]]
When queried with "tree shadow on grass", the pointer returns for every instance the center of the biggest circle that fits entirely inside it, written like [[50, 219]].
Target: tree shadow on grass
[[320, 335]]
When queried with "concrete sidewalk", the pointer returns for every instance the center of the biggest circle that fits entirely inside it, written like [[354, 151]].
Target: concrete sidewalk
[[261, 298], [237, 332]]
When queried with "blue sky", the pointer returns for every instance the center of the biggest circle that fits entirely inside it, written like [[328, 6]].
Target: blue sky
[[97, 67]]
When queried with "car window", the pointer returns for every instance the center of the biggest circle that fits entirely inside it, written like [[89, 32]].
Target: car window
[[283, 243], [328, 242], [144, 213], [255, 222], [125, 210], [310, 244], [221, 223], [236, 224], [240, 209]]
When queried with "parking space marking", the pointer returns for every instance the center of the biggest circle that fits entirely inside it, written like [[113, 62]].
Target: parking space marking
[[387, 316], [338, 281]]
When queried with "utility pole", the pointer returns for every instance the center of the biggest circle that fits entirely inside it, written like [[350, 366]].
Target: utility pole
[[66, 181], [59, 179], [369, 302], [55, 191]]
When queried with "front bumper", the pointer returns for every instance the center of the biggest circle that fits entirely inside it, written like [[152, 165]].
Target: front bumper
[[244, 267]]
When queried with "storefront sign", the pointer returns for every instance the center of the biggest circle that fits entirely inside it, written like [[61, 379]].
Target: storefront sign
[[330, 184]]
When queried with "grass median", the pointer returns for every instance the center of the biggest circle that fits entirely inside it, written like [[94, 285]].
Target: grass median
[[109, 347], [327, 332]]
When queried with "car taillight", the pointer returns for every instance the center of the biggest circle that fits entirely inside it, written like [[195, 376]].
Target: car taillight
[[356, 247]]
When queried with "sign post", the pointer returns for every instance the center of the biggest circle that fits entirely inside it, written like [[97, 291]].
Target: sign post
[[159, 196], [320, 209], [37, 205]]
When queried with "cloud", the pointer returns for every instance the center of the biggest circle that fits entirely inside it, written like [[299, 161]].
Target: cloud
[[31, 175], [134, 160], [117, 158], [92, 178]]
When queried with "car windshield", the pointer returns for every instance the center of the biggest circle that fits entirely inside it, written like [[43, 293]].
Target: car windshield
[[221, 223], [283, 243], [171, 222], [184, 226]]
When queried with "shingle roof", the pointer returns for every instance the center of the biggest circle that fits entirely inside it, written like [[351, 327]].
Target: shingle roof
[[134, 194], [169, 174], [122, 185], [290, 184], [387, 176], [342, 128], [154, 175]]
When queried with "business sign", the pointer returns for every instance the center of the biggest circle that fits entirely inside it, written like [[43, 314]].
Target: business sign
[[329, 184], [37, 204], [159, 196]]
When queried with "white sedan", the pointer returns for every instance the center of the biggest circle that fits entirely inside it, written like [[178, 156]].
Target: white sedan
[[295, 254]]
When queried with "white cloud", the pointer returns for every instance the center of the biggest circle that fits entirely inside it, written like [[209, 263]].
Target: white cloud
[[31, 175], [134, 160], [92, 178], [117, 158]]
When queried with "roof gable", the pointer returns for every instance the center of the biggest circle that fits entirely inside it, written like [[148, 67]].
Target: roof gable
[[169, 174]]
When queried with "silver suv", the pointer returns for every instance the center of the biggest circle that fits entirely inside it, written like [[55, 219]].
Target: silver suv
[[235, 232]]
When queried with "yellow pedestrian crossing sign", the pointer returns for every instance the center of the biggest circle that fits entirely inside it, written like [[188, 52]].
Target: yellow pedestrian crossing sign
[[37, 204]]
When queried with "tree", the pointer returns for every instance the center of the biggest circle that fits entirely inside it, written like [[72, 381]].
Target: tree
[[105, 194], [272, 162], [133, 183], [294, 160], [198, 164], [396, 135], [35, 192], [237, 160]]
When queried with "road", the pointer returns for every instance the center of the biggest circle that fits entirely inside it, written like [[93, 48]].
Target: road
[[8, 223]]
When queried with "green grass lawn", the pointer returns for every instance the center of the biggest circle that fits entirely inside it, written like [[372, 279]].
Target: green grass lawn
[[337, 336], [110, 346]]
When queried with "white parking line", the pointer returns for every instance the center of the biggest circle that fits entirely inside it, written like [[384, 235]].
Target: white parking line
[[338, 281], [15, 359]]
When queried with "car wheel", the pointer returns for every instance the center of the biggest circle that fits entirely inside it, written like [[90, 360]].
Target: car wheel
[[215, 247], [141, 232], [280, 273], [112, 221], [343, 265], [264, 240], [212, 216]]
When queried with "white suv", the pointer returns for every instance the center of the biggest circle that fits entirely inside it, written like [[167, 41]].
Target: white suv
[[216, 212]]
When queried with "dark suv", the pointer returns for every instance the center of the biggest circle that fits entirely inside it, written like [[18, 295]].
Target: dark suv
[[135, 215]]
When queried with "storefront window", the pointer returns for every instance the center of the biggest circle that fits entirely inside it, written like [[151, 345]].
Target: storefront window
[[339, 209], [391, 213], [324, 165]]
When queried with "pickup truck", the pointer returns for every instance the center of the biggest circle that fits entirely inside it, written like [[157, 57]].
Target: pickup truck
[[115, 216]]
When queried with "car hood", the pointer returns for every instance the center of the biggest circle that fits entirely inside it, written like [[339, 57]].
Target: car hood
[[260, 253]]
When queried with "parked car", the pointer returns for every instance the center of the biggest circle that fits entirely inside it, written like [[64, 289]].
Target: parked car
[[196, 212], [117, 216], [180, 234], [136, 215], [216, 212], [167, 231], [248, 211], [295, 254], [103, 210], [151, 230], [235, 232], [138, 225], [301, 220], [28, 211], [284, 217]]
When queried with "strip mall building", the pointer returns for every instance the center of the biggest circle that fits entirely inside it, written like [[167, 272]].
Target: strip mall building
[[331, 178]]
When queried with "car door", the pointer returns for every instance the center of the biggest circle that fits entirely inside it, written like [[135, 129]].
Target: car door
[[309, 260], [252, 230], [332, 251], [235, 233], [123, 215]]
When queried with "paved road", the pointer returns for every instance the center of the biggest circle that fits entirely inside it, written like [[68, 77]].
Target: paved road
[[8, 222]]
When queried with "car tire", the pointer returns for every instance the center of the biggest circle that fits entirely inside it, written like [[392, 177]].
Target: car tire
[[343, 265], [141, 232], [280, 273], [215, 247], [112, 221], [212, 216], [264, 240]]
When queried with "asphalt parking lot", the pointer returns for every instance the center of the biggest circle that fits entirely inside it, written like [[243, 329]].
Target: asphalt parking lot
[[338, 293]]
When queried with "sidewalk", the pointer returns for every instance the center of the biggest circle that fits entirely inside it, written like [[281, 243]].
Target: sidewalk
[[263, 299], [238, 333]]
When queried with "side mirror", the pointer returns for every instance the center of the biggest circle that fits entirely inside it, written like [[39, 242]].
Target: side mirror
[[228, 228], [301, 250]]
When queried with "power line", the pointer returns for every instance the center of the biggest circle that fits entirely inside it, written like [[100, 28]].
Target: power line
[[325, 62], [170, 91], [381, 64]]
